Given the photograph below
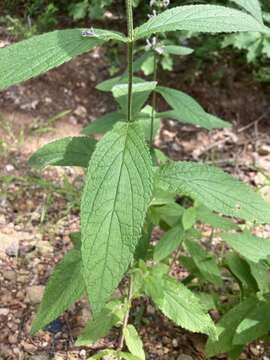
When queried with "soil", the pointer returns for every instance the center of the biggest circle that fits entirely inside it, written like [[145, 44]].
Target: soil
[[39, 210]]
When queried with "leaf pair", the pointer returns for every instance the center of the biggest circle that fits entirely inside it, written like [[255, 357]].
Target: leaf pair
[[41, 53]]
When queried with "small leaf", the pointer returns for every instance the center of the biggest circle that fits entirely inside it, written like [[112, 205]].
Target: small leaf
[[100, 326], [260, 274], [251, 6], [227, 326], [205, 262], [65, 286], [37, 55], [189, 218], [216, 221], [215, 189], [241, 270], [180, 305], [69, 151], [177, 50], [116, 196], [140, 91], [254, 325], [200, 18], [103, 124], [168, 243], [134, 342], [251, 247], [187, 110]]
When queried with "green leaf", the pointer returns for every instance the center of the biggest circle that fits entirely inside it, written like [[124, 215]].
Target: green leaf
[[65, 286], [75, 237], [251, 6], [200, 18], [37, 55], [103, 124], [215, 189], [100, 326], [205, 262], [69, 151], [117, 193], [241, 270], [180, 305], [260, 274], [106, 122], [255, 324], [189, 218], [227, 326], [140, 91], [148, 65], [177, 50], [187, 110], [216, 221], [168, 243], [251, 247], [134, 342]]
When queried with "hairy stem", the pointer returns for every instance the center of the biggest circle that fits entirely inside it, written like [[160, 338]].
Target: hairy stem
[[154, 102], [130, 55], [125, 322]]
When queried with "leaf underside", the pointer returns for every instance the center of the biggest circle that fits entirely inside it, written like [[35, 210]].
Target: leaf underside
[[117, 193]]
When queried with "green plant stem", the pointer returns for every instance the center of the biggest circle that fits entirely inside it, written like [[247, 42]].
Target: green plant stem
[[154, 102], [125, 322], [130, 55]]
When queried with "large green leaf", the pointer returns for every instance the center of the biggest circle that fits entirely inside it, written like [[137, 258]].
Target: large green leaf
[[227, 326], [215, 189], [200, 18], [260, 274], [116, 196], [29, 58], [251, 6], [251, 247], [187, 110], [254, 325], [134, 342], [65, 286], [168, 243], [179, 304], [205, 262], [69, 151]]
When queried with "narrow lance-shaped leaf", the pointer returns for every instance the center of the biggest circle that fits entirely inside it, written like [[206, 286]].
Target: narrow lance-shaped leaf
[[117, 193], [251, 247], [251, 6], [215, 189], [187, 110], [37, 55], [200, 18], [65, 286], [69, 151]]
